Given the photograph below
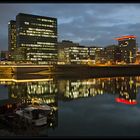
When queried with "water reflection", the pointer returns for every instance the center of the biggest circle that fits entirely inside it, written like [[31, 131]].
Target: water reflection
[[51, 91], [123, 87]]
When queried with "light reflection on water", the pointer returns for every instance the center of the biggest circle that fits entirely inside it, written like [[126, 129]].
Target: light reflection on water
[[83, 107]]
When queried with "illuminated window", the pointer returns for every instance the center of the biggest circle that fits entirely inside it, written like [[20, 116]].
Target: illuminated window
[[27, 23]]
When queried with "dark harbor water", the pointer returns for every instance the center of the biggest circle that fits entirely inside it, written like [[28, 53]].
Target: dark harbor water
[[82, 107]]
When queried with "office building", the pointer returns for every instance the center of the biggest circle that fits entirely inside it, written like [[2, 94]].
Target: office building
[[127, 49], [138, 57], [99, 55], [36, 39], [79, 55], [110, 54], [92, 55], [11, 38], [64, 51], [72, 53]]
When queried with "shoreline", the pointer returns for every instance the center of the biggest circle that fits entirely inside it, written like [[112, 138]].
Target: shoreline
[[75, 72]]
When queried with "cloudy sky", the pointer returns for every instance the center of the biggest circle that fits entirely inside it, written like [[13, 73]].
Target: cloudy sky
[[87, 24]]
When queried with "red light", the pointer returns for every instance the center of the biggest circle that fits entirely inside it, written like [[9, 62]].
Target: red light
[[121, 100], [125, 37]]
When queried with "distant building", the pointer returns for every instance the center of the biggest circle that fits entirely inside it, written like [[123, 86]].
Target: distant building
[[72, 53], [11, 38], [79, 55], [92, 54], [63, 51], [127, 49], [110, 54], [36, 38], [99, 55], [138, 57]]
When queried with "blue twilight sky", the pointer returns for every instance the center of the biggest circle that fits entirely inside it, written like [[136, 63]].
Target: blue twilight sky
[[87, 24]]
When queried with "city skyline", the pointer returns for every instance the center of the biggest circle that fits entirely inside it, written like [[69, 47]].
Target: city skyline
[[87, 24]]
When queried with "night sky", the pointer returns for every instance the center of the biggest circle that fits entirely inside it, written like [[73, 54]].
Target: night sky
[[87, 24]]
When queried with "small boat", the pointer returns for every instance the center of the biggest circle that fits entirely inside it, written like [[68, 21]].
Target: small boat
[[34, 114]]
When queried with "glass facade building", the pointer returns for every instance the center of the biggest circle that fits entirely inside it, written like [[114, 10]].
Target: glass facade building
[[127, 49], [64, 51], [79, 55], [11, 38], [36, 38], [73, 53]]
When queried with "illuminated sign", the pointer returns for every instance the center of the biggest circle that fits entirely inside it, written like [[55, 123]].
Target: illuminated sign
[[121, 100], [125, 37]]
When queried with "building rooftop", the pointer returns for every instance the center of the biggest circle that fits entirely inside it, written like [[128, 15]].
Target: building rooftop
[[24, 14], [125, 37]]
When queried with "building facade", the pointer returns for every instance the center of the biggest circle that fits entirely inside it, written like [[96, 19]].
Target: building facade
[[73, 53], [11, 38], [110, 54], [127, 49], [79, 55], [36, 38], [138, 57], [64, 51]]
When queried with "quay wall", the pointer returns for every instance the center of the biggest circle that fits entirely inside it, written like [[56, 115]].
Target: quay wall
[[76, 70], [98, 71]]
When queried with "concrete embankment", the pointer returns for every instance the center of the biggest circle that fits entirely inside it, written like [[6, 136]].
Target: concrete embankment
[[97, 71], [76, 70]]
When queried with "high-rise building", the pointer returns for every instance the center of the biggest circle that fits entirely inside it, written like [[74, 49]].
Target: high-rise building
[[127, 49], [11, 38], [36, 39]]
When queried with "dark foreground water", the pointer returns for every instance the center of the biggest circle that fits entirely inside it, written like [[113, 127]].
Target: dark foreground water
[[83, 107]]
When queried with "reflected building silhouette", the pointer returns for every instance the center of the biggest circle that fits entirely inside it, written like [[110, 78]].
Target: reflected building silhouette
[[51, 91], [25, 93], [124, 87]]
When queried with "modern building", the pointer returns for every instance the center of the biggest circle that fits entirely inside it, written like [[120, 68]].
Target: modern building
[[72, 53], [64, 51], [110, 54], [79, 55], [100, 55], [36, 38], [138, 57], [92, 55], [127, 49], [11, 38]]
